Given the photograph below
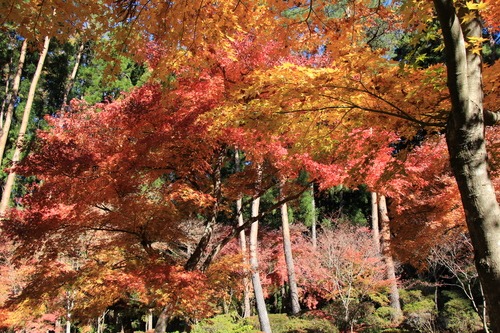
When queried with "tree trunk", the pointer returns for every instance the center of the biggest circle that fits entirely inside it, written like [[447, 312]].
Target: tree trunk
[[71, 78], [243, 244], [265, 325], [467, 149], [389, 261], [149, 320], [7, 76], [24, 126], [161, 324], [13, 99], [313, 219], [375, 226], [287, 247]]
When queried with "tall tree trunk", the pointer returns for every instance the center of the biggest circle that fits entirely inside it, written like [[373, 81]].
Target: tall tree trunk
[[13, 99], [243, 244], [389, 261], [313, 219], [287, 247], [467, 147], [24, 126], [71, 78], [265, 325], [375, 226], [7, 78]]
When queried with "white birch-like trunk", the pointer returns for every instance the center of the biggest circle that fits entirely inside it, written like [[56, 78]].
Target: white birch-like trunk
[[71, 78], [265, 325], [287, 247], [375, 225], [243, 245], [13, 99]]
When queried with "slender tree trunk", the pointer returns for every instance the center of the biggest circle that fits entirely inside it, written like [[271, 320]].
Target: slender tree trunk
[[265, 325], [467, 148], [389, 261], [313, 219], [71, 78], [484, 313], [24, 126], [287, 247], [149, 320], [375, 226], [243, 244], [7, 76], [13, 99]]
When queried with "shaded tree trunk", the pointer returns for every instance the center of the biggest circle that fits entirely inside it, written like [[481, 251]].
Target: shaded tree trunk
[[467, 147], [24, 126], [243, 245], [389, 261], [13, 99], [265, 325], [287, 247]]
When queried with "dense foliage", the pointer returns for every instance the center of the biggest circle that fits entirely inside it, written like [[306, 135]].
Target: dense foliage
[[137, 146]]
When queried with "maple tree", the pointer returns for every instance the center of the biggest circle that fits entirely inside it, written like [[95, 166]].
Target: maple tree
[[290, 114], [144, 173], [350, 270]]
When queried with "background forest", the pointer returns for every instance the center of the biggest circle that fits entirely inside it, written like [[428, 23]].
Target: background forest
[[249, 166]]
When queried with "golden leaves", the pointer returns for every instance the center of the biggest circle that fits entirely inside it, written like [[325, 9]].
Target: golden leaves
[[472, 5]]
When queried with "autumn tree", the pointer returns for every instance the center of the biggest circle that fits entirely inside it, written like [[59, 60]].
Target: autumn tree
[[358, 88], [351, 270]]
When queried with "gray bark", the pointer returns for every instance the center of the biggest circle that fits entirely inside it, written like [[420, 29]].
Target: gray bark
[[287, 247], [243, 244], [163, 318], [265, 325], [467, 149], [389, 261]]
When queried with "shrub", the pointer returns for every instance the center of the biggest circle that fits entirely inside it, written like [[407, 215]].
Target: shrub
[[223, 323], [419, 310], [380, 318], [281, 323], [462, 318]]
